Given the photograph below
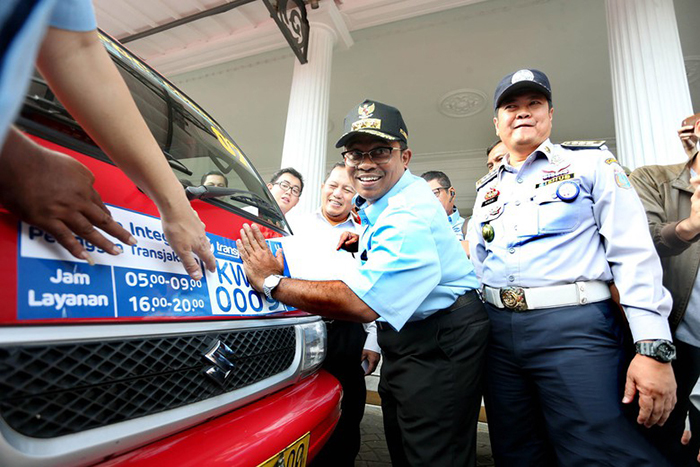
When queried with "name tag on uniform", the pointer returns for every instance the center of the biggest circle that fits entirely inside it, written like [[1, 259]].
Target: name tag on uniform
[[558, 178], [490, 197]]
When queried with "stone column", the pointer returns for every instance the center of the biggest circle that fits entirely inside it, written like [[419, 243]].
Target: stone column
[[306, 132], [650, 87]]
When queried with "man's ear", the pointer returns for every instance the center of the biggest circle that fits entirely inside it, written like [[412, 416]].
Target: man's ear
[[406, 158], [269, 186], [495, 125], [452, 193]]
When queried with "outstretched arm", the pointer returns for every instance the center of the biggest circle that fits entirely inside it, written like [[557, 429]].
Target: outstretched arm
[[332, 299], [54, 192], [83, 77]]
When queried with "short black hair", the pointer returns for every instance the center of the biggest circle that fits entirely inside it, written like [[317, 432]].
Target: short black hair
[[337, 165], [439, 176], [291, 171], [493, 145], [213, 172]]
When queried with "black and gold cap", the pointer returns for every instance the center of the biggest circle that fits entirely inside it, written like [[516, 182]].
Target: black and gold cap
[[376, 119]]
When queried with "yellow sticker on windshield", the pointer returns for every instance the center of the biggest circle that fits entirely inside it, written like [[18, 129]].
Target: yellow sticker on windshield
[[229, 146]]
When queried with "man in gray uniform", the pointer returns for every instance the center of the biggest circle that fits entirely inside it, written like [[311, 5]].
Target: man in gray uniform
[[552, 226]]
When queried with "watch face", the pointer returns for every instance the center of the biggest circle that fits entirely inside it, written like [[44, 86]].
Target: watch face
[[666, 351]]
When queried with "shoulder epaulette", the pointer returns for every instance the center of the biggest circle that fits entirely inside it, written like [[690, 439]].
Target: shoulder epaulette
[[574, 145], [486, 178]]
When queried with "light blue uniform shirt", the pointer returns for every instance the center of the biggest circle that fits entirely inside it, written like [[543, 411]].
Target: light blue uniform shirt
[[17, 63], [412, 265], [456, 222], [542, 240]]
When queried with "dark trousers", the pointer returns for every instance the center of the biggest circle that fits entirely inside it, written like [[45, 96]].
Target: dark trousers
[[430, 386], [554, 385], [686, 367], [343, 360]]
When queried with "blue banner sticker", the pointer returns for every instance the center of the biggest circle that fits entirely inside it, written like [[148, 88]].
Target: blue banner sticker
[[142, 293], [51, 289], [225, 248], [146, 280]]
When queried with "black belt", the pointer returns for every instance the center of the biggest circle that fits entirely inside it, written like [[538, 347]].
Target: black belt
[[459, 303]]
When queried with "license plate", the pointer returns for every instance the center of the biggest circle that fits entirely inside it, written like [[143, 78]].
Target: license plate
[[293, 455]]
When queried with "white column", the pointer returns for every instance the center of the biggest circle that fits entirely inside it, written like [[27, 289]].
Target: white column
[[306, 133], [650, 87]]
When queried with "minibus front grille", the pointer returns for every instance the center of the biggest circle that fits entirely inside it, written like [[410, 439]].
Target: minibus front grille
[[51, 390]]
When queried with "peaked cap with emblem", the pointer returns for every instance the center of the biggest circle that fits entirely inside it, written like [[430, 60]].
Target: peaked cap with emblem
[[376, 119], [519, 81]]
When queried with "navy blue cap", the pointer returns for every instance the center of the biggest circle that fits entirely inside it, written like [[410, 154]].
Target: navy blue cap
[[376, 119], [519, 81]]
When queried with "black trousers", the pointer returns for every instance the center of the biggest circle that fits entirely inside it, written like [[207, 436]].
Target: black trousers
[[430, 386], [686, 367], [555, 379], [343, 360]]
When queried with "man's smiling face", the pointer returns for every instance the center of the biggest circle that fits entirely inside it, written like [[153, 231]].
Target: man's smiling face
[[371, 180], [336, 195], [524, 121]]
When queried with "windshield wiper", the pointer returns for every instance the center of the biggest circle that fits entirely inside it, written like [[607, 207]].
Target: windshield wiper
[[244, 196], [54, 108], [175, 163]]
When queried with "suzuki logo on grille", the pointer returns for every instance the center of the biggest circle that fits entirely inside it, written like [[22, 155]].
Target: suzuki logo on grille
[[219, 354]]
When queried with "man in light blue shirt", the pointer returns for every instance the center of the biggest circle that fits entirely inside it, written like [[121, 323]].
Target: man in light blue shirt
[[350, 344], [552, 226], [415, 280]]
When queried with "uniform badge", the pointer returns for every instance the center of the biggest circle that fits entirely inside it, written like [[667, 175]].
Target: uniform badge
[[522, 75], [556, 159], [611, 160], [487, 232], [554, 179], [375, 123], [365, 110], [553, 173], [568, 191], [495, 212], [621, 180], [490, 197]]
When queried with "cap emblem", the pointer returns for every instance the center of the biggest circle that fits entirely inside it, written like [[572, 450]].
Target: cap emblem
[[522, 75], [365, 110], [375, 123]]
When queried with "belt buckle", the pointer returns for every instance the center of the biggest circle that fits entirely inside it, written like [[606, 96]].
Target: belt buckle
[[513, 298]]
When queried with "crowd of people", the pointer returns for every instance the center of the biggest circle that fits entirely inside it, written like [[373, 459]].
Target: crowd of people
[[570, 299]]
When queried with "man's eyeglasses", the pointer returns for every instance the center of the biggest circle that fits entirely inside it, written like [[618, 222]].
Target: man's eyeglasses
[[285, 186], [380, 155], [436, 191]]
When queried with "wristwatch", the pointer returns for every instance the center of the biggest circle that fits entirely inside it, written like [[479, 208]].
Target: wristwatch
[[270, 283], [660, 350]]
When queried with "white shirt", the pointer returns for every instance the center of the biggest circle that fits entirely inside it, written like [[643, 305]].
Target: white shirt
[[315, 225]]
